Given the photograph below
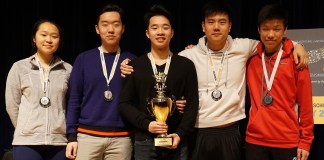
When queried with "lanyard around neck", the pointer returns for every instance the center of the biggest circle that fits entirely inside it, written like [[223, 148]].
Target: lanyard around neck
[[269, 82], [166, 68], [103, 65], [217, 73], [44, 75]]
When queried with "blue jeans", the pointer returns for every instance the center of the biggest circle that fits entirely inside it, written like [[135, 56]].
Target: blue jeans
[[39, 152]]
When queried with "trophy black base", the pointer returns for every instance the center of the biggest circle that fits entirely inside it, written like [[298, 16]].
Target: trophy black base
[[163, 141]]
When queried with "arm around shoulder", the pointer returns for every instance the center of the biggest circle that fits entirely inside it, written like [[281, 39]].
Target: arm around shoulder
[[304, 100]]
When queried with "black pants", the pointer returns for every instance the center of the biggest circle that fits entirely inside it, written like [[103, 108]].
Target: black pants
[[218, 144], [256, 152]]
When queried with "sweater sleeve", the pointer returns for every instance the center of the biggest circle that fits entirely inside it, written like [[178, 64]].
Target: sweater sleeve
[[13, 94], [127, 104], [75, 99], [189, 116], [305, 109], [253, 47]]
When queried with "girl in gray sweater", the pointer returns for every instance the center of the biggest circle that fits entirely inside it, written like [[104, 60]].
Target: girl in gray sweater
[[36, 97]]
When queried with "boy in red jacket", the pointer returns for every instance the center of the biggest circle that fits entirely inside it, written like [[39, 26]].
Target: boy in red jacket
[[276, 130]]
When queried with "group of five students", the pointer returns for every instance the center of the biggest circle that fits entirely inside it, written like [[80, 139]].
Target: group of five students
[[208, 82]]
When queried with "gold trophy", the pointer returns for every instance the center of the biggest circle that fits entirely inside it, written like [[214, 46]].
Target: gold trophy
[[161, 107]]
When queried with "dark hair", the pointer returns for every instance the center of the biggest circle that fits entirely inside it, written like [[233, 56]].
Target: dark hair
[[216, 7], [157, 10], [36, 28], [110, 8], [273, 11]]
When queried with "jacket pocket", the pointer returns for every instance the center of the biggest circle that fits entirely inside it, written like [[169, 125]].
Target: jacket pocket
[[35, 122], [58, 122], [273, 125]]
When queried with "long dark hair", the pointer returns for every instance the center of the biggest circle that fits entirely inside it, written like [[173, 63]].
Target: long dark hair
[[36, 28]]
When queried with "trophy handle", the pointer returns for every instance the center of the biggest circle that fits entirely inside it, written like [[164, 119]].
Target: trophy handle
[[149, 106], [172, 104]]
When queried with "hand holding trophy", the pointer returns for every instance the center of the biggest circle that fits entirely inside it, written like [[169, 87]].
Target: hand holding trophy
[[161, 107]]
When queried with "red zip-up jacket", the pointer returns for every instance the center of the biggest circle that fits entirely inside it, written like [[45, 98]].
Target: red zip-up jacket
[[280, 125]]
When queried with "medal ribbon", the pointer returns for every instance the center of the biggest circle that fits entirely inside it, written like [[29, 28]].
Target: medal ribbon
[[44, 75], [166, 68], [217, 72], [269, 82], [103, 65]]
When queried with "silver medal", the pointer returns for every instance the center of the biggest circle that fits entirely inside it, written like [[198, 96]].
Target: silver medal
[[267, 100], [216, 95], [44, 101], [108, 95]]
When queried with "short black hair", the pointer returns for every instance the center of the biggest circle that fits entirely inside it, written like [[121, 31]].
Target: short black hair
[[273, 11], [110, 8], [215, 7], [157, 10]]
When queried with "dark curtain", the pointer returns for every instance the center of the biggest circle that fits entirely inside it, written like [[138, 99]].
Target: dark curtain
[[77, 18]]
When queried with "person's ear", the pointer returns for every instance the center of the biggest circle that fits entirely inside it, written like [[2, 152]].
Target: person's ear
[[147, 34], [203, 26], [97, 29]]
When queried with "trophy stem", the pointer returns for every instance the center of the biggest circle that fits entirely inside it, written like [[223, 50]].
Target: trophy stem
[[162, 135]]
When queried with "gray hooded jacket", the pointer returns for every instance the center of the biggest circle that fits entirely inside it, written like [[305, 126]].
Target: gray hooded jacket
[[34, 124]]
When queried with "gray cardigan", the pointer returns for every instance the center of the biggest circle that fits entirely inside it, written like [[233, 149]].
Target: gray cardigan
[[34, 124]]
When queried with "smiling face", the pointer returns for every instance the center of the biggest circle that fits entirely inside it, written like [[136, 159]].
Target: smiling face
[[216, 28], [47, 39], [110, 28], [271, 34], [159, 32]]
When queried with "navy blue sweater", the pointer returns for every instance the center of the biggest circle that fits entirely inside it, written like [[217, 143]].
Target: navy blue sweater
[[86, 106]]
